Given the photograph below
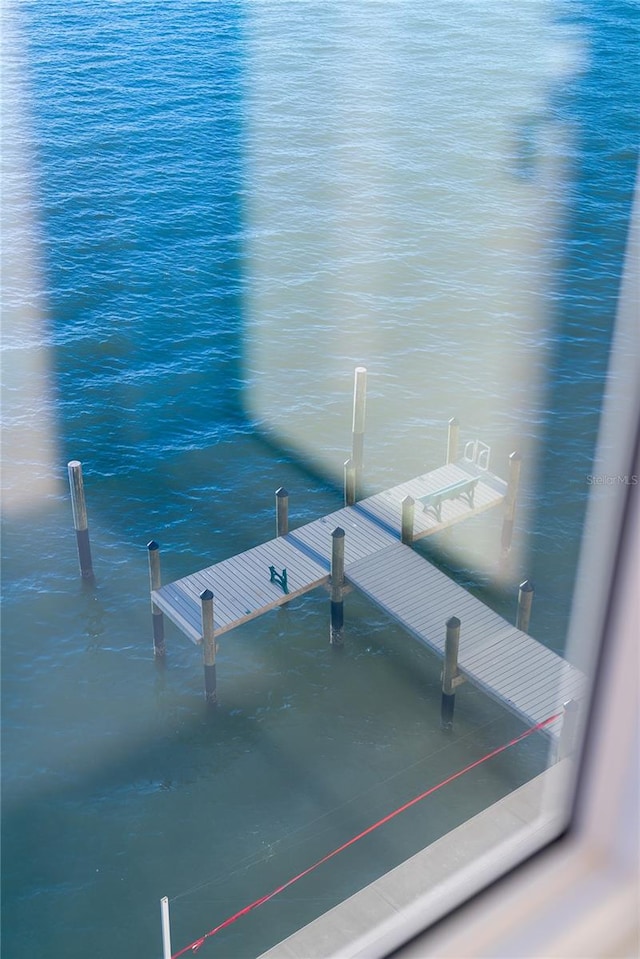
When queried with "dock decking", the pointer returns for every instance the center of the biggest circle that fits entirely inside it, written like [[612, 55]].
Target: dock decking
[[508, 664], [241, 585]]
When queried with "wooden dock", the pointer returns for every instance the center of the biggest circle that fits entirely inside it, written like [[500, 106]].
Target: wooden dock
[[494, 655]]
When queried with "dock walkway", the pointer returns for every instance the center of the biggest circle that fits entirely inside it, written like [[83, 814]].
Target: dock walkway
[[241, 584], [508, 664]]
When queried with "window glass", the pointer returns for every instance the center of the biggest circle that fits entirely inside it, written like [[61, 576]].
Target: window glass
[[213, 214]]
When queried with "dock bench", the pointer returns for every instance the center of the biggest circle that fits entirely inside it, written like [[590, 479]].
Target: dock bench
[[433, 501]]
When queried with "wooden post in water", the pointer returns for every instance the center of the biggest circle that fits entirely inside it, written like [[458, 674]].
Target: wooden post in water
[[513, 482], [453, 439], [208, 648], [337, 587], [155, 582], [450, 673], [568, 733], [357, 438], [525, 599], [408, 515], [80, 523], [349, 483], [282, 512], [166, 928]]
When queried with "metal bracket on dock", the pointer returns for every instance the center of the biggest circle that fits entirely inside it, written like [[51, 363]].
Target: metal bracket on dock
[[478, 453], [279, 578], [457, 680]]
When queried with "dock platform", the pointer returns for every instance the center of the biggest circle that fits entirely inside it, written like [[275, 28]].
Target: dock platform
[[508, 664], [241, 584]]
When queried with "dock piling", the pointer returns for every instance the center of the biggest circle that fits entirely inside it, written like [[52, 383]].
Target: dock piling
[[357, 439], [166, 928], [513, 482], [337, 587], [568, 734], [208, 648], [453, 439], [450, 673], [282, 512], [525, 599], [408, 515], [155, 581], [349, 483], [79, 507]]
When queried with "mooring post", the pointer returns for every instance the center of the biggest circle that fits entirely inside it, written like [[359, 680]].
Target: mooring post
[[155, 581], [349, 483], [450, 673], [208, 648], [525, 599], [282, 512], [453, 439], [80, 523], [513, 482], [408, 514], [166, 928], [357, 438], [568, 733], [337, 587]]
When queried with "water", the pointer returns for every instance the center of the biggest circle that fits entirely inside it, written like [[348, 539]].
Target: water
[[151, 229]]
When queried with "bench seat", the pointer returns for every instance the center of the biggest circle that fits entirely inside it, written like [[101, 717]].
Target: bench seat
[[433, 501]]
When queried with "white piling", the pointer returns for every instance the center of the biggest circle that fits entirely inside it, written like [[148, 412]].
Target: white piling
[[450, 673], [155, 582], [166, 928], [453, 439], [510, 500], [282, 512], [208, 648], [337, 587], [567, 744], [525, 599], [349, 483], [80, 523], [408, 514]]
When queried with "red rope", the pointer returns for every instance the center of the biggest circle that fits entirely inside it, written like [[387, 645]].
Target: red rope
[[194, 946]]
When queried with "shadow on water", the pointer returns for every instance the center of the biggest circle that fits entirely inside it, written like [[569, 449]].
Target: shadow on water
[[147, 299], [598, 105], [215, 808], [161, 311]]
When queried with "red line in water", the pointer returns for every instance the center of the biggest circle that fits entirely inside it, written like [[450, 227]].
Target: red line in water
[[194, 946]]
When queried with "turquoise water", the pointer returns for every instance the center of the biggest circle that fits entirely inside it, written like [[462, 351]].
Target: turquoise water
[[157, 253]]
